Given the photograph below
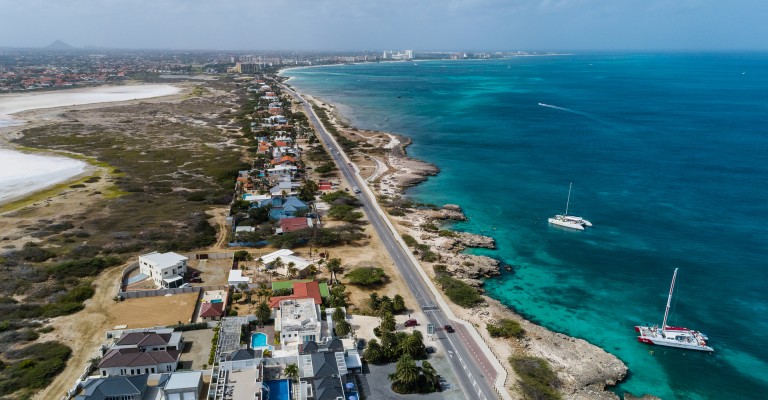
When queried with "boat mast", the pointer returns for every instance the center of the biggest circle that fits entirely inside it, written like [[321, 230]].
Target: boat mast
[[669, 301], [568, 202]]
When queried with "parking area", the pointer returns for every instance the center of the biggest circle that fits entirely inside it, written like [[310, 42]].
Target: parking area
[[375, 384]]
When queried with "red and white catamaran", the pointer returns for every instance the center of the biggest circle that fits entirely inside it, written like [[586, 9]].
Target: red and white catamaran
[[672, 336]]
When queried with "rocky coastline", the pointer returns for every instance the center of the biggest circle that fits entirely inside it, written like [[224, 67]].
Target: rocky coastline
[[585, 371]]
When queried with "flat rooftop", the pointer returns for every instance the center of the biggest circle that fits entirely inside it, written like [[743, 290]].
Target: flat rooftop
[[298, 315], [246, 383]]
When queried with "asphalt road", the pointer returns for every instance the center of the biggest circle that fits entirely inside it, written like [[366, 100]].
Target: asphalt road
[[469, 363]]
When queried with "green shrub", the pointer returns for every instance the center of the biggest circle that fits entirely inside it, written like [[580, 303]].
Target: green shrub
[[459, 292], [82, 268], [34, 253], [430, 256], [536, 378], [447, 233], [506, 328], [410, 241], [190, 327], [430, 227], [33, 366], [367, 276], [440, 269]]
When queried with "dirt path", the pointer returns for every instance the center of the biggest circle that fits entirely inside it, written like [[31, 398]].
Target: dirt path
[[83, 332], [219, 216]]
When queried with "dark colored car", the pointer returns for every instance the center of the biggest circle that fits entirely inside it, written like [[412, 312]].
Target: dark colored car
[[411, 322], [448, 328], [196, 279], [430, 350]]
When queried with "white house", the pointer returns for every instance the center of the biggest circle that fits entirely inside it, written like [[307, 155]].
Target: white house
[[286, 257], [236, 277], [298, 321], [165, 269]]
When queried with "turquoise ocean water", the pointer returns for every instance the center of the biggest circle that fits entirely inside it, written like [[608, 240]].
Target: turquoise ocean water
[[668, 155]]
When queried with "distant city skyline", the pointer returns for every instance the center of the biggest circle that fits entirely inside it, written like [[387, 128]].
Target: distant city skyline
[[426, 25]]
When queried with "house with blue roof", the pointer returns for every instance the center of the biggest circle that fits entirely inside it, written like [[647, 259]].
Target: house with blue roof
[[289, 207]]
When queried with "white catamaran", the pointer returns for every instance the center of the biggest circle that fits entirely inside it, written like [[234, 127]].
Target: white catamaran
[[569, 221], [673, 336]]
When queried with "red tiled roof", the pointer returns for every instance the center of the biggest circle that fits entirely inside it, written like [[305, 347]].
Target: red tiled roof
[[283, 159], [293, 224], [211, 310], [301, 290], [281, 143]]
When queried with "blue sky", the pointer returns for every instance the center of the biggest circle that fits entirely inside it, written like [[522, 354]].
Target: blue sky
[[389, 24]]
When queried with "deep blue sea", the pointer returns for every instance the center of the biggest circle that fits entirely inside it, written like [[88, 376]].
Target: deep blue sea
[[668, 155]]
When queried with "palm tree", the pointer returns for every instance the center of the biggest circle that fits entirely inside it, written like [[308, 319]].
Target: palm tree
[[430, 375], [334, 266], [292, 270], [263, 313], [342, 328], [373, 353], [312, 270], [398, 303], [259, 263], [387, 323], [292, 371], [278, 263], [413, 345], [406, 374]]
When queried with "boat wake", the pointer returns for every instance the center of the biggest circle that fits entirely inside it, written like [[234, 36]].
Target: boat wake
[[564, 109]]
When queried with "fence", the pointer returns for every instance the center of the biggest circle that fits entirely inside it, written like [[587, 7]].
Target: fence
[[210, 256], [135, 294]]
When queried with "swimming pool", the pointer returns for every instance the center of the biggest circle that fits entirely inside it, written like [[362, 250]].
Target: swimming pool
[[278, 390], [259, 341], [217, 301]]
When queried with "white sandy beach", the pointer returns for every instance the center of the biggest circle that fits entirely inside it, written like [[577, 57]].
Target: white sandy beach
[[23, 173]]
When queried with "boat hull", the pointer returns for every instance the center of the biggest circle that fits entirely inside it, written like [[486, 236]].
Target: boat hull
[[566, 224], [677, 338]]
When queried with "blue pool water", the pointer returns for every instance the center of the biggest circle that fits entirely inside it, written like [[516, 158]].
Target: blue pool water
[[216, 301], [278, 390], [259, 340]]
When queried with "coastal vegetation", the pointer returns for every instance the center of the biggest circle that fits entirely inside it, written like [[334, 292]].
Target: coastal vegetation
[[383, 305], [459, 292], [153, 183], [536, 380], [367, 276], [411, 378], [506, 328], [31, 367]]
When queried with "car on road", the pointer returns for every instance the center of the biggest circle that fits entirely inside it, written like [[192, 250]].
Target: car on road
[[411, 322], [448, 329]]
